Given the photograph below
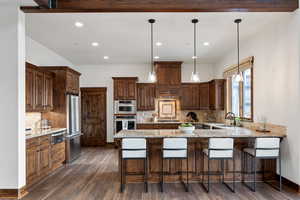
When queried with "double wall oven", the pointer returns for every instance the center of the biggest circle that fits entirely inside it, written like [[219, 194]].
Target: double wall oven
[[125, 115]]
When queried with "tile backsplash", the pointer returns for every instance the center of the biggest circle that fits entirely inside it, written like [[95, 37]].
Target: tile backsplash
[[203, 116], [31, 119]]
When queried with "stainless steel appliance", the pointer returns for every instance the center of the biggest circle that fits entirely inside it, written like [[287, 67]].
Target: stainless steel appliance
[[58, 137], [73, 148], [125, 107], [125, 122]]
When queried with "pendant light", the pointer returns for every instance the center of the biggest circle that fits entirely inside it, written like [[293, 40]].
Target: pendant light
[[195, 75], [239, 75], [152, 75]]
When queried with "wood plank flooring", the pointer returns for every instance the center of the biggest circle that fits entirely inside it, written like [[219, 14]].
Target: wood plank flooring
[[94, 176]]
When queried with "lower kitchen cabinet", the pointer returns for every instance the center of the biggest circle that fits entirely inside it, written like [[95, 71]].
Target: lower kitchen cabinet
[[42, 158]]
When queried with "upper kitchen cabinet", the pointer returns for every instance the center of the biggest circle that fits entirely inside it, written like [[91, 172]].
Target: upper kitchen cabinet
[[190, 96], [125, 88], [168, 73], [146, 93], [72, 81], [39, 89], [217, 94], [204, 96]]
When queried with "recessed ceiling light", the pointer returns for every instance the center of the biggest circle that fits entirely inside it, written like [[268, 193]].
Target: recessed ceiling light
[[194, 57], [206, 43], [79, 24], [106, 57], [95, 44], [156, 57], [158, 43]]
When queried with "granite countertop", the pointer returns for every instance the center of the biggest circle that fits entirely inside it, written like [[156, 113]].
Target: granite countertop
[[39, 133], [171, 122], [234, 132]]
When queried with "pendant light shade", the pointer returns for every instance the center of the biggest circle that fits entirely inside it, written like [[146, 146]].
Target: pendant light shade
[[152, 74], [239, 75], [195, 76]]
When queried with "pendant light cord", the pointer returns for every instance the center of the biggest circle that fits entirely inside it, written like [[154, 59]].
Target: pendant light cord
[[195, 50], [152, 64], [238, 46]]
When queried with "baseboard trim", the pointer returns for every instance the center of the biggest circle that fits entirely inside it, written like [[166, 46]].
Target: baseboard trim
[[13, 193], [289, 183]]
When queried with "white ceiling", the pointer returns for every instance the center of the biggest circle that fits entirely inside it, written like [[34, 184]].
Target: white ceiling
[[125, 37]]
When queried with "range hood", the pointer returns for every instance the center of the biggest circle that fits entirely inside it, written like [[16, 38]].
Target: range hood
[[168, 79]]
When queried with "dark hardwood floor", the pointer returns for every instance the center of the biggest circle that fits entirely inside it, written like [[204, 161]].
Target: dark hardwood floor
[[94, 176]]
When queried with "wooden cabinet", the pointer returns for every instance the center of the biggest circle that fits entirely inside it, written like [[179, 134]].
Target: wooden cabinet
[[125, 88], [190, 96], [204, 96], [146, 93], [58, 155], [168, 73], [38, 162], [30, 98], [72, 82], [158, 126], [217, 94], [39, 89]]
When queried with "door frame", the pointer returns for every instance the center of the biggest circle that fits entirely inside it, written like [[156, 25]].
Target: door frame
[[101, 89]]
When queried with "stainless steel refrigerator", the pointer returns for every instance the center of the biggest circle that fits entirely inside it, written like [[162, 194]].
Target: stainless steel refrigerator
[[73, 148]]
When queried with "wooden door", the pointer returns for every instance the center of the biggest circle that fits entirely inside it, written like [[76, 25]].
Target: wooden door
[[45, 160], [146, 93], [29, 89], [190, 99], [93, 116], [48, 91], [39, 90], [204, 96]]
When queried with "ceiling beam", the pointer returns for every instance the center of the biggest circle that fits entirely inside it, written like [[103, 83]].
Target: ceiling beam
[[63, 6]]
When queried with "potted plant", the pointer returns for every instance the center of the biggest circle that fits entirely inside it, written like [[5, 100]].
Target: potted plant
[[187, 128]]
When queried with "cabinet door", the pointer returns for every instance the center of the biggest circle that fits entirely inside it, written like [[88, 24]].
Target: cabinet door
[[204, 96], [32, 164], [131, 89], [45, 160], [190, 99], [76, 84], [119, 89], [146, 96], [48, 91], [217, 94], [29, 89], [39, 90]]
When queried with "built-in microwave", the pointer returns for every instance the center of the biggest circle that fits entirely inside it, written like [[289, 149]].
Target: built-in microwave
[[125, 107]]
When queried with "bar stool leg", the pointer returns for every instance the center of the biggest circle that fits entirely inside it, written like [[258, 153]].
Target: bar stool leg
[[223, 170], [208, 174], [145, 175], [162, 175], [233, 174], [187, 174], [254, 168], [121, 180], [280, 178]]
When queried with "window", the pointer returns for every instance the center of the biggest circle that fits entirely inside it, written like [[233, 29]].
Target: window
[[240, 94]]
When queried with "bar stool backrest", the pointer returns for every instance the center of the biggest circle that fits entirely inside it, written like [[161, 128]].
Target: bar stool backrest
[[220, 147], [134, 148], [267, 147], [175, 147]]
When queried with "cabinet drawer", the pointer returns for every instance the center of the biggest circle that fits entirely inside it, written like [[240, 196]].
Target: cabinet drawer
[[45, 140], [33, 142]]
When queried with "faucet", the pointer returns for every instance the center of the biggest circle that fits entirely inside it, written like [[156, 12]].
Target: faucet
[[231, 116]]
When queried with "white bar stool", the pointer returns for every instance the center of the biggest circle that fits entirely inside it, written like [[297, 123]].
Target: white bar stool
[[265, 148], [174, 148], [133, 149], [219, 149]]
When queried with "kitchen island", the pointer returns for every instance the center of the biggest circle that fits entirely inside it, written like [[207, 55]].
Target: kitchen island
[[197, 141]]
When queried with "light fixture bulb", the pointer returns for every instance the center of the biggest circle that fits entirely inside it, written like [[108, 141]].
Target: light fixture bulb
[[156, 57], [194, 57], [239, 77], [106, 57], [79, 24], [195, 77], [158, 43], [206, 43], [152, 77], [95, 44]]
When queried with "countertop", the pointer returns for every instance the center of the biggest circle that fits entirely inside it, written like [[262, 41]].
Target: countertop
[[39, 133], [166, 122], [234, 132]]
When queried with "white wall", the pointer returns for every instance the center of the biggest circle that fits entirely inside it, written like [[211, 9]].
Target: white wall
[[12, 102], [40, 55], [276, 83], [101, 76]]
